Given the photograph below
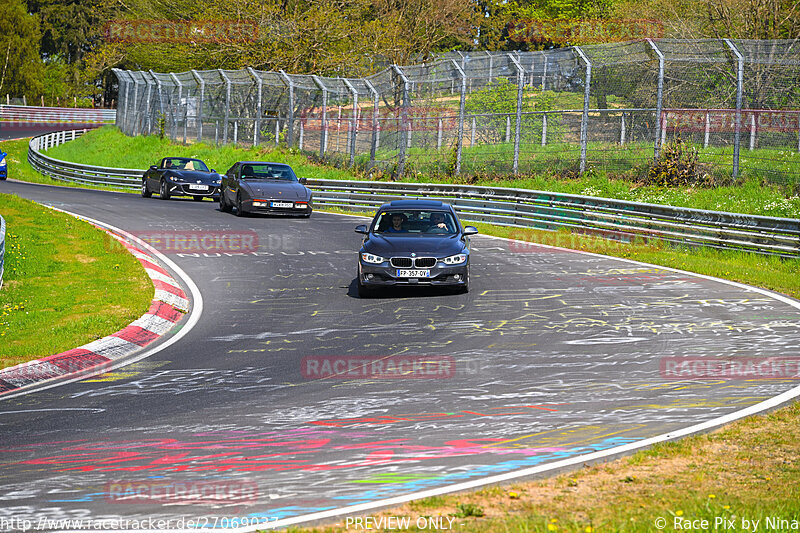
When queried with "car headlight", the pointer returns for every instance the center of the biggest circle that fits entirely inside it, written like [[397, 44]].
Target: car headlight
[[455, 259], [370, 258], [2, 161]]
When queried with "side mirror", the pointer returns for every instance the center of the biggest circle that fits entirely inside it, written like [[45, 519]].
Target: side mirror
[[214, 171], [470, 230], [362, 229], [153, 167], [302, 181]]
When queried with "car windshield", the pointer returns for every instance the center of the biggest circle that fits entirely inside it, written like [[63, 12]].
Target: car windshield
[[267, 171], [182, 163], [413, 221]]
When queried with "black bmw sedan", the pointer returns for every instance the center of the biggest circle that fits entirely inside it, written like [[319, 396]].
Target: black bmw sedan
[[414, 243], [259, 187], [181, 176]]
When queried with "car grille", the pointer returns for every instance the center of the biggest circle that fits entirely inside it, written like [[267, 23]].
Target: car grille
[[425, 262], [419, 262], [401, 262]]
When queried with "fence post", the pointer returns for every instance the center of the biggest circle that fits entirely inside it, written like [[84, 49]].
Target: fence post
[[401, 156], [461, 110], [622, 131], [544, 129], [659, 99], [375, 128], [544, 71], [147, 107], [227, 104], [354, 93], [752, 131], [708, 130], [323, 137], [257, 123], [738, 128], [174, 108], [585, 116], [160, 95], [518, 127], [491, 60], [132, 112], [290, 124], [202, 84]]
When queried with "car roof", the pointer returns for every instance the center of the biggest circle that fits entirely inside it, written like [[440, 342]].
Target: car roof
[[182, 158], [260, 163], [415, 204]]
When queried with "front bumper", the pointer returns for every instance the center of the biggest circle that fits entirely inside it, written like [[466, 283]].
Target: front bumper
[[265, 206], [183, 189], [383, 275]]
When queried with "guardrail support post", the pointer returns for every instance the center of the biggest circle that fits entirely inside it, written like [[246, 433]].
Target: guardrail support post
[[738, 127], [227, 104], [461, 110], [518, 127], [290, 123], [174, 108], [323, 138], [585, 116], [354, 129], [202, 83], [401, 156], [375, 124], [257, 122], [659, 100]]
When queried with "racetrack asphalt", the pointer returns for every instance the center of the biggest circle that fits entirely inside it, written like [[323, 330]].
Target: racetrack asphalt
[[553, 354]]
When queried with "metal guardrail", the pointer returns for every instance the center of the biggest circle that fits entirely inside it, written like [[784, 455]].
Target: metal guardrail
[[2, 247], [125, 178], [613, 219], [21, 113]]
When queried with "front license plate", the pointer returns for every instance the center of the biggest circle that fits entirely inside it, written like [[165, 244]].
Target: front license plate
[[282, 204], [198, 187], [413, 273]]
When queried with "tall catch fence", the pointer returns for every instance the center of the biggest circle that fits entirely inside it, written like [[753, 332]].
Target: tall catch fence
[[611, 107]]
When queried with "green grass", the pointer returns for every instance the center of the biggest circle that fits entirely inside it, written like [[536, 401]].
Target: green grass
[[20, 169], [109, 147], [66, 283]]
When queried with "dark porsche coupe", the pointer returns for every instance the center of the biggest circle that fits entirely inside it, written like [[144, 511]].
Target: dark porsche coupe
[[414, 243], [181, 176], [259, 187]]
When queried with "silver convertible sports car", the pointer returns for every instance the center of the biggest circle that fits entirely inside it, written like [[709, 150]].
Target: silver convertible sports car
[[180, 176], [259, 187]]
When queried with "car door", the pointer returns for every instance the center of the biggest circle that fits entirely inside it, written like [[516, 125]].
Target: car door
[[154, 176], [229, 184]]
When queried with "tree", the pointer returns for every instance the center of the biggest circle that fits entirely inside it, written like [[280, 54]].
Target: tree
[[19, 50]]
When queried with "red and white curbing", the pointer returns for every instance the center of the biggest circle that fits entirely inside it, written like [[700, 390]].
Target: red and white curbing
[[168, 307]]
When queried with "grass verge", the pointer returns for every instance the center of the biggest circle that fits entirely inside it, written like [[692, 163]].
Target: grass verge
[[66, 283], [109, 147], [20, 169]]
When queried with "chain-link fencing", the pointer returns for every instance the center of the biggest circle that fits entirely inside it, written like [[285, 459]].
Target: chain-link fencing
[[612, 107]]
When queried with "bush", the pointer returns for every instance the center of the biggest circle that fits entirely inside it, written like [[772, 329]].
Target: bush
[[678, 166]]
